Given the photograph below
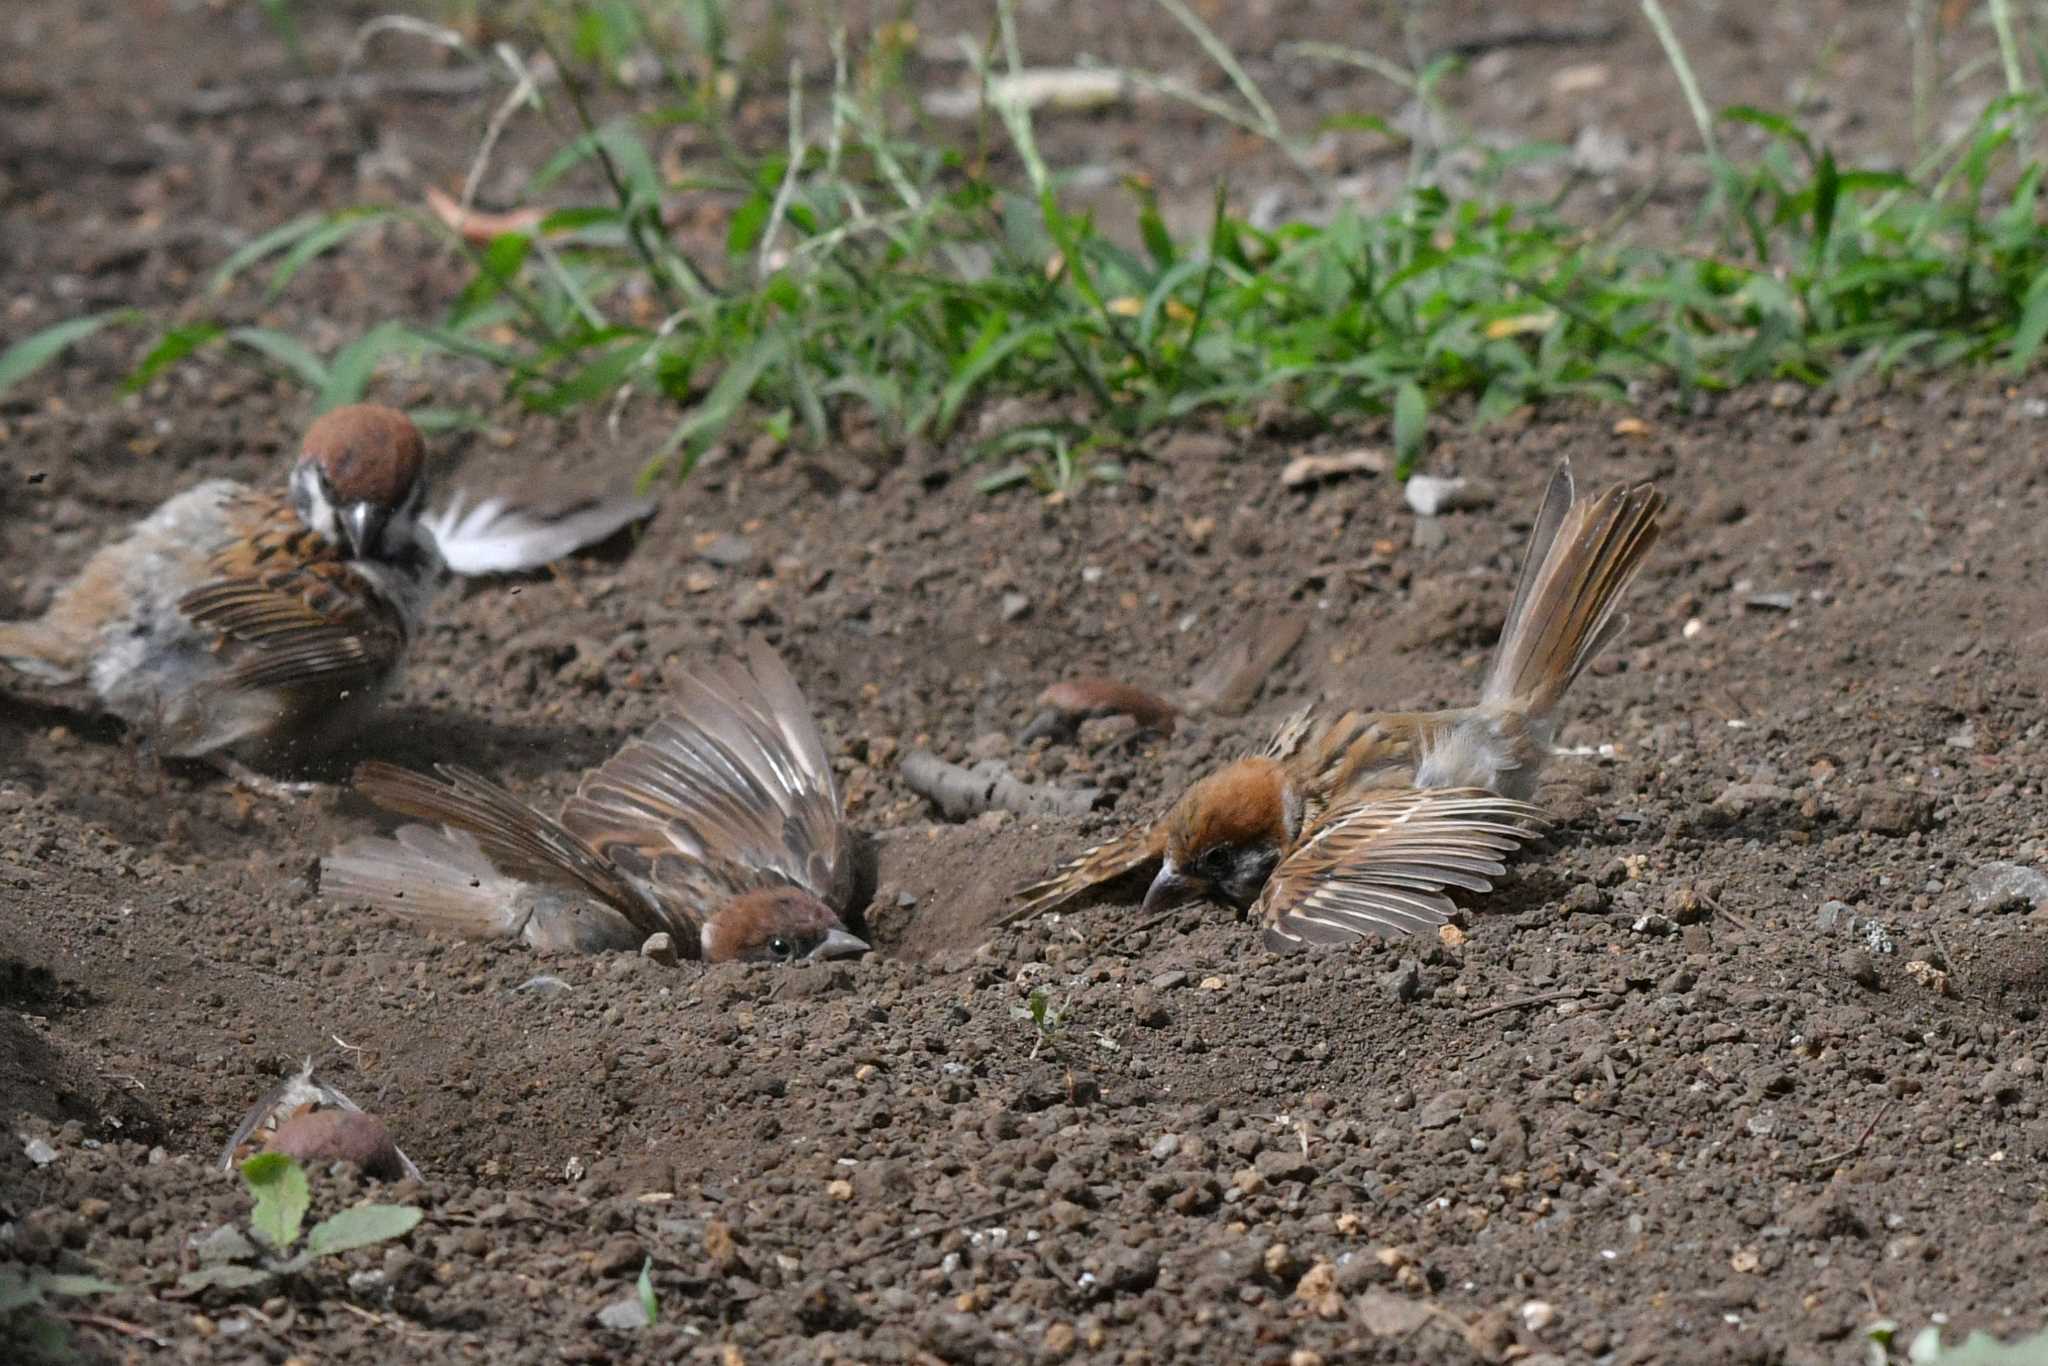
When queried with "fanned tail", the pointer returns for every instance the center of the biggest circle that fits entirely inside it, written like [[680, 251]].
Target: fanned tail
[[1583, 555]]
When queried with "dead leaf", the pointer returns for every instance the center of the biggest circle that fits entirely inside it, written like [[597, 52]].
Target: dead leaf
[[1519, 325], [478, 226], [1309, 469]]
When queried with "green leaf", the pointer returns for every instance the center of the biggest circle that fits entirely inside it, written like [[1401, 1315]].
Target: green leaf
[[1411, 426], [286, 350], [650, 1303], [33, 352], [171, 348], [1775, 124], [349, 374], [1827, 187], [1151, 225], [749, 221], [282, 1195], [266, 244], [2033, 324], [323, 237], [711, 416], [227, 1276], [361, 1227], [497, 267]]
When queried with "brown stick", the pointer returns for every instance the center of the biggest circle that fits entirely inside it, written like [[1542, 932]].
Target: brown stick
[[961, 793], [112, 1325], [1572, 995], [1861, 1139]]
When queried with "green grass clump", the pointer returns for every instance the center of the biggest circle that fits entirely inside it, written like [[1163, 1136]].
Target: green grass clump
[[866, 270]]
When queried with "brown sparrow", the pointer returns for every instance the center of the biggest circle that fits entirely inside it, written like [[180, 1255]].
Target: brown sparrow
[[1357, 825], [307, 1118], [252, 627], [721, 826]]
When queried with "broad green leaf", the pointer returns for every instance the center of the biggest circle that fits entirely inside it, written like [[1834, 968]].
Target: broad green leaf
[[361, 1227], [171, 348], [33, 352], [282, 1195]]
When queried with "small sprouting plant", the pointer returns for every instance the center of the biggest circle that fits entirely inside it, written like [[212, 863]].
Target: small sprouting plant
[[1049, 1022], [282, 1194], [650, 1303]]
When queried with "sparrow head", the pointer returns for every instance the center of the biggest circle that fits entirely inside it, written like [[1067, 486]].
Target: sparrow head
[[1226, 835], [776, 925], [359, 480]]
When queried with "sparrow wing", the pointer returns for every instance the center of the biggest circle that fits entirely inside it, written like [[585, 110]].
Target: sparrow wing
[[495, 537], [515, 841], [441, 879], [731, 791], [1089, 869], [291, 607], [1380, 864]]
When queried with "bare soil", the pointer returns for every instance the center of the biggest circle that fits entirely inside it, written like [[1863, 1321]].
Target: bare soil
[[1733, 1065]]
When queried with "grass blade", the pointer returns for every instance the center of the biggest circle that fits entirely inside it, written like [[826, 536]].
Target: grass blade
[[33, 352]]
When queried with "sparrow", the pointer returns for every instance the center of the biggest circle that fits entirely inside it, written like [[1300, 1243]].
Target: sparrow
[[721, 826], [309, 1119], [262, 628], [1357, 824]]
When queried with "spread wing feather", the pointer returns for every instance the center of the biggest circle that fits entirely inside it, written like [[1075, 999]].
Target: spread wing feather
[[1381, 864], [737, 778]]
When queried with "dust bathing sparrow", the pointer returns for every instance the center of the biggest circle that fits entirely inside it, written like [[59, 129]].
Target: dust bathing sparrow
[[304, 1114], [721, 826], [1357, 824], [252, 627]]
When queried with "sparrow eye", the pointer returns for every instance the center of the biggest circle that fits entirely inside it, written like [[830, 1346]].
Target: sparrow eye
[[781, 947]]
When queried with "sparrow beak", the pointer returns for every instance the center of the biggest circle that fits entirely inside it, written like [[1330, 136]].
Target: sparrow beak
[[1166, 889], [838, 943], [364, 523]]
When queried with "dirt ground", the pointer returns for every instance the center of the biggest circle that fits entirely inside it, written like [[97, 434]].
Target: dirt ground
[[1746, 1056]]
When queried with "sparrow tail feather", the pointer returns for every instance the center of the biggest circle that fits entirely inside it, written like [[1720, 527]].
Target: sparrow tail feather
[[1583, 555]]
